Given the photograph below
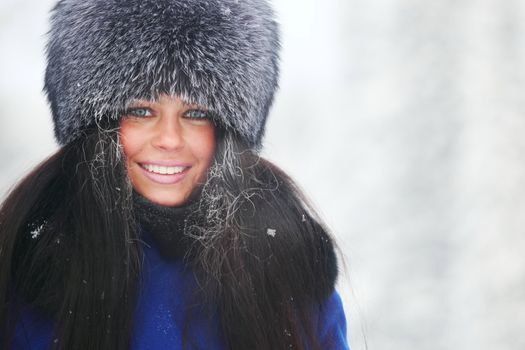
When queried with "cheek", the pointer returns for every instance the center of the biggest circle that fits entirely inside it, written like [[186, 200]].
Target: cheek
[[206, 146], [131, 143], [128, 140]]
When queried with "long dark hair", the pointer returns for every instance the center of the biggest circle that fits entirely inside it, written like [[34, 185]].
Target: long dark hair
[[69, 246]]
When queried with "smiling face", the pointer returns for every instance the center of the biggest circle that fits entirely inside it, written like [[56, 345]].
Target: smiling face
[[168, 146]]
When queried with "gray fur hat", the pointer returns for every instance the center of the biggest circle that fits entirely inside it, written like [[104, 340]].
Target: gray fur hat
[[221, 54]]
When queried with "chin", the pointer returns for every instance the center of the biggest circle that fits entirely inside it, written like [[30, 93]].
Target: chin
[[165, 199]]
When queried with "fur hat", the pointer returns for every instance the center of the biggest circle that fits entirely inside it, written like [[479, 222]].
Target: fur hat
[[221, 54]]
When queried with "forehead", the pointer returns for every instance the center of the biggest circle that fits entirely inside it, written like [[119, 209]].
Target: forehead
[[164, 99]]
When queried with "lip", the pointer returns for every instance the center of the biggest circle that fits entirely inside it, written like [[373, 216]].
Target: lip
[[165, 179]]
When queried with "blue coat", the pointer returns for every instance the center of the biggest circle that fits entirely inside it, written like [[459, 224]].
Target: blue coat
[[159, 314]]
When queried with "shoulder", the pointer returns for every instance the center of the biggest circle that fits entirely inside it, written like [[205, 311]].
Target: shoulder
[[332, 323]]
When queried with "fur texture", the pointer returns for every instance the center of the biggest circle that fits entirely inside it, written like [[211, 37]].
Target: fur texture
[[103, 54]]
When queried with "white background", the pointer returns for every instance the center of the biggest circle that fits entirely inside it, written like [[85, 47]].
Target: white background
[[403, 120]]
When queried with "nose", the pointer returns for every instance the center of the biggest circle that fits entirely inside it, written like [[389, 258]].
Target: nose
[[168, 134]]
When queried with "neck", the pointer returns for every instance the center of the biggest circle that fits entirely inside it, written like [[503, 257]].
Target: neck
[[165, 225]]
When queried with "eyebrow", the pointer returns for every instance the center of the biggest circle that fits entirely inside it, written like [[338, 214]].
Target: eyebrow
[[145, 102]]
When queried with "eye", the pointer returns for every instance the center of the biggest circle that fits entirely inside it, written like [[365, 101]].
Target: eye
[[138, 112], [197, 114]]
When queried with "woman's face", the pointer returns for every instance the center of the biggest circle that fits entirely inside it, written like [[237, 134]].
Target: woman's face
[[169, 146]]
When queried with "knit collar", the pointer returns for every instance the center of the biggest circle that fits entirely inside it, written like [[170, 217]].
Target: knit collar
[[164, 225]]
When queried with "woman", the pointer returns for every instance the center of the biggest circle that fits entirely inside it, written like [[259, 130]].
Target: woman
[[157, 225]]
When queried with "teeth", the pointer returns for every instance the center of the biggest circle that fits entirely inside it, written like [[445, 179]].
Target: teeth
[[163, 169]]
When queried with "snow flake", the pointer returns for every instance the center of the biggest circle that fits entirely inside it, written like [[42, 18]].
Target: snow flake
[[36, 232], [226, 11], [271, 232]]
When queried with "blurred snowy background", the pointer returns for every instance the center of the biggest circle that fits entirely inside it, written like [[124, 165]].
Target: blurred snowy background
[[404, 122]]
